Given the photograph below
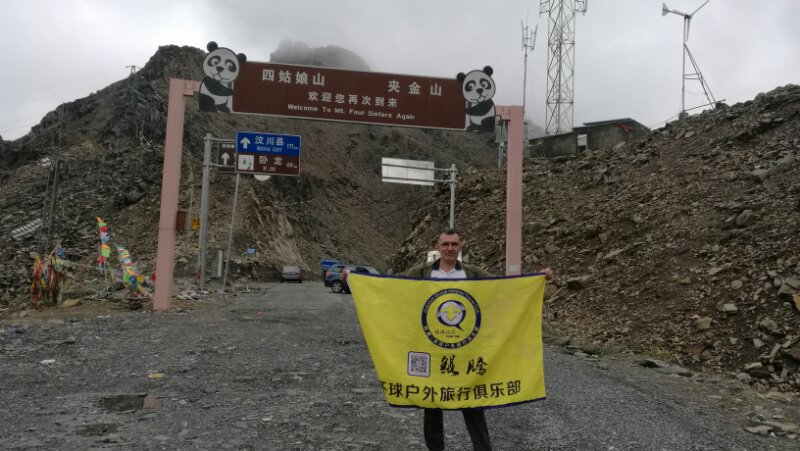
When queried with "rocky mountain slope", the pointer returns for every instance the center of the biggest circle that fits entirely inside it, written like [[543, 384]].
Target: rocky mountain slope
[[684, 245], [111, 145]]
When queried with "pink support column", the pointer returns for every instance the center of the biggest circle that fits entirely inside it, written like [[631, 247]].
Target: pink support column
[[513, 114], [170, 183]]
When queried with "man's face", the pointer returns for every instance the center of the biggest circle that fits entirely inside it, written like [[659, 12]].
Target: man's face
[[449, 247]]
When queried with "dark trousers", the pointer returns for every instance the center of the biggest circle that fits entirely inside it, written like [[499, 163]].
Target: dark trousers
[[476, 426]]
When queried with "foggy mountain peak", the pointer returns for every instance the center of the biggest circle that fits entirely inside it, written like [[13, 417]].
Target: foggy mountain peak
[[335, 57]]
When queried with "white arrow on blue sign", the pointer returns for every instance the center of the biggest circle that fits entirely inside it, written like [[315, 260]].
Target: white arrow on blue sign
[[268, 143]]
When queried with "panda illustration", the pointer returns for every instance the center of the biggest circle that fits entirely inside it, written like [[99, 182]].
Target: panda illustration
[[221, 67], [478, 89]]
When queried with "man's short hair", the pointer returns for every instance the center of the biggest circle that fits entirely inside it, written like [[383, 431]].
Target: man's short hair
[[448, 231]]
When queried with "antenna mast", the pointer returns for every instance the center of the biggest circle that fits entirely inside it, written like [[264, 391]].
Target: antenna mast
[[528, 42], [692, 76], [561, 62]]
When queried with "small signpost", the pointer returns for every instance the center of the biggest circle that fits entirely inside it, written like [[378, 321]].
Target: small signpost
[[226, 156]]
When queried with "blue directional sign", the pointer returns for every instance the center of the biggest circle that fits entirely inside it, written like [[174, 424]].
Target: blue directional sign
[[267, 153], [267, 143]]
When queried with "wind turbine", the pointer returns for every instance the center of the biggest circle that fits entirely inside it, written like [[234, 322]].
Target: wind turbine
[[696, 75]]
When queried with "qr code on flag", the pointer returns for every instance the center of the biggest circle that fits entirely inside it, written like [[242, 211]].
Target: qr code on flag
[[419, 364]]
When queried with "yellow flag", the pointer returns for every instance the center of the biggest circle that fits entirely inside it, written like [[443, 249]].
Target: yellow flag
[[453, 344]]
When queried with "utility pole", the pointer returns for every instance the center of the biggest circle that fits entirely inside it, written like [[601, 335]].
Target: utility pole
[[221, 145], [204, 210], [453, 171], [230, 233], [50, 203], [134, 101], [501, 133]]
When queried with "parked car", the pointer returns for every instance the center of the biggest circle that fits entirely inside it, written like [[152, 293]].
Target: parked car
[[325, 264], [336, 277], [291, 273]]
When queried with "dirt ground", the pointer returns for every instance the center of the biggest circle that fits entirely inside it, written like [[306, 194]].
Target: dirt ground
[[285, 367]]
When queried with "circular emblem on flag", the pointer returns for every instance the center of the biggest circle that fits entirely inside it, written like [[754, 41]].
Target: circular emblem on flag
[[451, 313], [451, 318]]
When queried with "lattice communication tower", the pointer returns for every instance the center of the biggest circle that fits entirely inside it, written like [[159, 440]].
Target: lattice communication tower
[[560, 62]]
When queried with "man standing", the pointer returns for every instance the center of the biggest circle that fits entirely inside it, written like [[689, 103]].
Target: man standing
[[449, 267]]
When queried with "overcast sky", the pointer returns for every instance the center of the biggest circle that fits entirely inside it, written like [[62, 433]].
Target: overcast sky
[[627, 58]]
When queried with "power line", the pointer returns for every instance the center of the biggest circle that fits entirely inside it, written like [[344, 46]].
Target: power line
[[21, 119], [51, 85], [55, 97], [45, 109]]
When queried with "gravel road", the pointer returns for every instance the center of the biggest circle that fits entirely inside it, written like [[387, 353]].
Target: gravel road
[[285, 367]]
